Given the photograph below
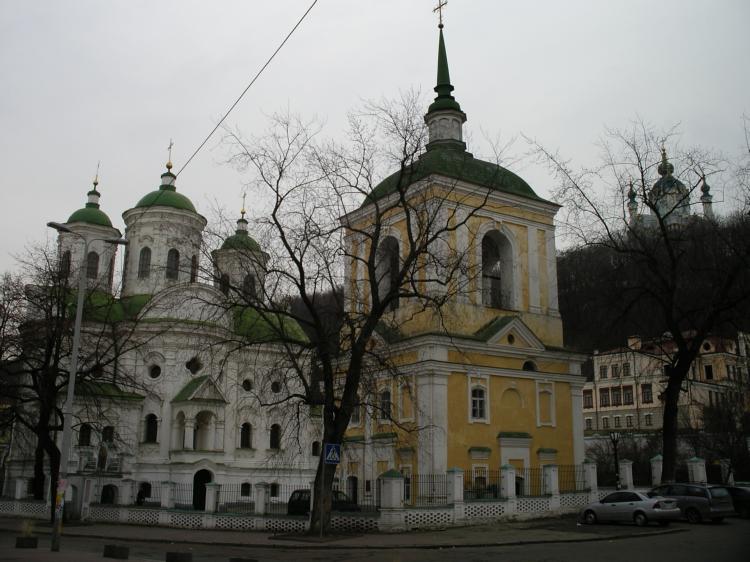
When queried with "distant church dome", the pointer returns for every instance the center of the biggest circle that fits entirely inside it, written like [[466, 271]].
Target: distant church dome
[[166, 195], [241, 240], [91, 214]]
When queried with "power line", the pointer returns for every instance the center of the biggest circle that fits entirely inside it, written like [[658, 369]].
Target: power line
[[247, 88]]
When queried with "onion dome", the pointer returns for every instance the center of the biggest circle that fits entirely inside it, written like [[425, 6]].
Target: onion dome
[[667, 183], [91, 214], [241, 240], [166, 195]]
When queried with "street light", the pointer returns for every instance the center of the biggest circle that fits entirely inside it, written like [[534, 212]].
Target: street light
[[614, 436], [62, 475]]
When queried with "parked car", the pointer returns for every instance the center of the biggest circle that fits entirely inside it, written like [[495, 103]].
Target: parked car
[[299, 502], [740, 500], [698, 502], [631, 506]]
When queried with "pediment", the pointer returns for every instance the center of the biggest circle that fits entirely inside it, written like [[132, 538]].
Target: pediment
[[511, 331], [200, 389]]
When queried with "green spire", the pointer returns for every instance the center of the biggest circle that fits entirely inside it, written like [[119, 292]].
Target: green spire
[[444, 99]]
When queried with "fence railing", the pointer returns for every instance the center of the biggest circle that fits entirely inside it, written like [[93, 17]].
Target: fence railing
[[482, 486], [570, 478], [236, 498], [425, 490], [529, 482]]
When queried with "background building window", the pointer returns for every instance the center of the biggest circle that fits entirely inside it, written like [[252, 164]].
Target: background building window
[[628, 421], [315, 452], [385, 405], [478, 404], [617, 421], [627, 395], [108, 434], [605, 423], [602, 371], [588, 423], [604, 397], [649, 419], [626, 369], [647, 396], [615, 371], [616, 397], [245, 489], [588, 399]]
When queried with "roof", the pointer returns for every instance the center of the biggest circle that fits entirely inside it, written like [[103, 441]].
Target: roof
[[452, 162], [266, 327], [166, 196], [91, 214], [241, 240], [105, 390], [100, 306], [187, 391]]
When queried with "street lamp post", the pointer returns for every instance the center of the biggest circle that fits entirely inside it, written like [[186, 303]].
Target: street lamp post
[[614, 436], [67, 410]]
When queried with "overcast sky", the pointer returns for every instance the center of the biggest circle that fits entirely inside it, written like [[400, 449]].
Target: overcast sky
[[84, 81]]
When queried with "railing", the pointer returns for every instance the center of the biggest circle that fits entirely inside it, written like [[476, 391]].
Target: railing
[[147, 494], [426, 490], [642, 474], [278, 496], [183, 495], [356, 493], [483, 486], [529, 482], [236, 498], [570, 478]]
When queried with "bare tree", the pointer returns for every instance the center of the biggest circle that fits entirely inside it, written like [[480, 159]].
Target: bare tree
[[644, 260]]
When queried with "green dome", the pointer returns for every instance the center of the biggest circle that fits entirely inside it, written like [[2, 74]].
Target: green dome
[[91, 214], [241, 240], [458, 164], [166, 196]]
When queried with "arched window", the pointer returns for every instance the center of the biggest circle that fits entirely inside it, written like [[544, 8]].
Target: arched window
[[84, 435], [356, 412], [111, 273], [224, 284], [92, 265], [385, 405], [497, 271], [193, 269], [65, 264], [478, 411], [144, 263], [315, 449], [245, 489], [173, 264], [529, 366], [108, 434], [152, 429], [275, 437], [101, 461], [246, 436], [386, 270], [248, 286]]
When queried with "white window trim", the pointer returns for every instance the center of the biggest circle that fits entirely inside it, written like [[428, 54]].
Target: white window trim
[[475, 468], [546, 386], [478, 381], [379, 419], [588, 422]]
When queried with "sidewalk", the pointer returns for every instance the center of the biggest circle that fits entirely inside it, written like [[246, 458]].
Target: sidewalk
[[496, 534]]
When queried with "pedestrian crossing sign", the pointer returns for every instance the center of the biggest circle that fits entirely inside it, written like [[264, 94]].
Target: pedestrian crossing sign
[[332, 453]]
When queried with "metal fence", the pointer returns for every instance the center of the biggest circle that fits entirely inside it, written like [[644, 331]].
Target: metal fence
[[529, 482], [236, 498], [278, 496], [605, 475], [147, 494], [570, 478], [364, 494], [484, 485], [642, 474], [424, 490], [184, 497]]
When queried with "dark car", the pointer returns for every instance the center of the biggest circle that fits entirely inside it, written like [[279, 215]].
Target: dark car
[[740, 500], [299, 502], [698, 502]]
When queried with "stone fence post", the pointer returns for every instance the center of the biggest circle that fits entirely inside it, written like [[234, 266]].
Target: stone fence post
[[456, 492], [126, 492], [590, 480], [696, 470], [392, 501], [261, 497], [508, 487], [726, 474], [167, 495], [656, 469], [551, 485], [19, 492], [212, 496], [626, 474]]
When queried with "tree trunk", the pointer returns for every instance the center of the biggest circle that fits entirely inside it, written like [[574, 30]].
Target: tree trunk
[[669, 427], [326, 473], [38, 481]]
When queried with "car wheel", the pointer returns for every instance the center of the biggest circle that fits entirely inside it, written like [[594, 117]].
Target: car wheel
[[589, 517], [640, 519], [693, 515], [717, 519], [663, 523]]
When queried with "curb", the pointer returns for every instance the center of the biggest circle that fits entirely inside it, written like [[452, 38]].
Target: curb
[[329, 546]]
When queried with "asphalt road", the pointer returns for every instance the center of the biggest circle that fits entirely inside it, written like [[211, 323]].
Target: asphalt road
[[729, 541]]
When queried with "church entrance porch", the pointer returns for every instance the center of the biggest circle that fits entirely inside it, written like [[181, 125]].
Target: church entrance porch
[[201, 478]]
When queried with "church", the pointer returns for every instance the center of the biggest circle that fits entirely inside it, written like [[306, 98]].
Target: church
[[485, 382]]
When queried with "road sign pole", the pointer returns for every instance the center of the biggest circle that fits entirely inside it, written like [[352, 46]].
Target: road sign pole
[[320, 499]]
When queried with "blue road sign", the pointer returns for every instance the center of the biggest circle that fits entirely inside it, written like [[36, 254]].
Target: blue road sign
[[332, 453]]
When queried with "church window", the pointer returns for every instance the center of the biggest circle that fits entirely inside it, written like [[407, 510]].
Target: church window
[[97, 371], [144, 263], [193, 269], [84, 435], [275, 437], [101, 460], [65, 264], [111, 272], [246, 436], [385, 405], [545, 403], [248, 286], [194, 365], [497, 264], [92, 265], [152, 429], [275, 387], [407, 412], [387, 270], [529, 366], [245, 489], [315, 451], [173, 264], [274, 490], [224, 284], [154, 371], [108, 434], [247, 385], [708, 370], [478, 406]]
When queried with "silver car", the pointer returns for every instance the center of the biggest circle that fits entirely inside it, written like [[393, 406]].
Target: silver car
[[631, 506]]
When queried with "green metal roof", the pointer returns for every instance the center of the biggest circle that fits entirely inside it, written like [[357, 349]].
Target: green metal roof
[[106, 390], [444, 99], [166, 196], [187, 391], [241, 240], [450, 162], [268, 327], [90, 214]]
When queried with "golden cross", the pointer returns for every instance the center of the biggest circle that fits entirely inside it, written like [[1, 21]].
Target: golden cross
[[244, 194], [439, 9], [169, 148], [96, 177]]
